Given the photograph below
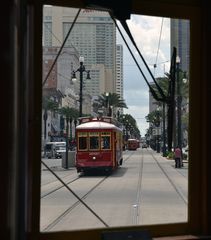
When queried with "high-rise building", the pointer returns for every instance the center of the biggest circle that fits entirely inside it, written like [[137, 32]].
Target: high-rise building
[[180, 38], [119, 70], [93, 36], [60, 76]]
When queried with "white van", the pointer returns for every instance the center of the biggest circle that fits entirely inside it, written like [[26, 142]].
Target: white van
[[54, 149]]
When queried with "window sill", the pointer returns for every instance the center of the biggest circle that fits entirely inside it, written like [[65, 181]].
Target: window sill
[[185, 237]]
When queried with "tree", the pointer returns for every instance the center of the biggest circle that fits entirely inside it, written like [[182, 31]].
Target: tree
[[48, 105], [130, 125], [184, 90], [109, 101], [69, 114]]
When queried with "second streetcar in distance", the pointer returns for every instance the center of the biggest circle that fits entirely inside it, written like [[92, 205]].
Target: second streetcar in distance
[[132, 144], [99, 145]]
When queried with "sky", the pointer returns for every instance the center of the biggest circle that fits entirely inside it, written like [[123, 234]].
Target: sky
[[146, 32]]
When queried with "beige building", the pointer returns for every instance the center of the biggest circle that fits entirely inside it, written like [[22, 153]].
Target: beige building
[[93, 36], [60, 76]]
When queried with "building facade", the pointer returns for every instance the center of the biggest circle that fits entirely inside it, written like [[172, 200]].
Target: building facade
[[94, 38], [180, 38], [119, 70]]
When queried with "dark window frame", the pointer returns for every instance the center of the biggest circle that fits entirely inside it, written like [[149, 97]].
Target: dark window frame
[[198, 219]]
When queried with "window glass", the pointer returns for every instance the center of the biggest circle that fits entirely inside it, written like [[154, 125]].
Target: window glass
[[147, 179], [82, 140], [105, 140], [94, 141], [82, 143]]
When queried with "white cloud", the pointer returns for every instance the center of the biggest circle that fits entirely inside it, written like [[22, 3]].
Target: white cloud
[[146, 32]]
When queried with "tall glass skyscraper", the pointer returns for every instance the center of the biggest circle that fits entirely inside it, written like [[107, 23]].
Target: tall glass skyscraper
[[180, 38]]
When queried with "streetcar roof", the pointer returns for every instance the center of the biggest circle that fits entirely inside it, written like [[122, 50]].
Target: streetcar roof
[[97, 125]]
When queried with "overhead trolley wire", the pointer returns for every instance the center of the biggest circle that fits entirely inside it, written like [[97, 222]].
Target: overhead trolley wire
[[124, 24], [156, 59]]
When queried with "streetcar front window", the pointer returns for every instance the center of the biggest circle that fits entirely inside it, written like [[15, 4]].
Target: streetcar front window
[[94, 143], [82, 143]]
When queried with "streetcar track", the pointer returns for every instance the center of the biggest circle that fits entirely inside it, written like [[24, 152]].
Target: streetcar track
[[171, 181], [128, 157], [73, 206], [75, 179], [136, 206], [58, 188], [69, 209], [50, 182]]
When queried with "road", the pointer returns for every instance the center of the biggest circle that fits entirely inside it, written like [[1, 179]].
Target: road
[[146, 189]]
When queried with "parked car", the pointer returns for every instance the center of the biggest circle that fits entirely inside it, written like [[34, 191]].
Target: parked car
[[59, 150], [54, 149]]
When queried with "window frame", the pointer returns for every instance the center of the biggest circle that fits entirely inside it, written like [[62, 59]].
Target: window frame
[[105, 134], [94, 134], [198, 220], [85, 135]]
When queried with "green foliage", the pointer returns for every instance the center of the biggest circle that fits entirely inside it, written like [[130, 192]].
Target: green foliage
[[170, 155], [113, 99], [165, 155], [154, 117], [130, 123], [49, 104], [68, 112]]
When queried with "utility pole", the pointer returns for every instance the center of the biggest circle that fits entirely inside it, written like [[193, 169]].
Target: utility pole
[[179, 100]]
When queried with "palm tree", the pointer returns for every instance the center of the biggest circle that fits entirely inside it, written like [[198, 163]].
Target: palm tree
[[48, 105], [109, 100], [164, 84], [130, 125], [69, 114]]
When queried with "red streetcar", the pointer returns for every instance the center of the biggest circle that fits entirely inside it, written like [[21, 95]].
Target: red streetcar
[[99, 144], [132, 144]]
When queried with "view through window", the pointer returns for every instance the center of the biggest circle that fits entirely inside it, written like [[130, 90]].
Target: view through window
[[126, 162]]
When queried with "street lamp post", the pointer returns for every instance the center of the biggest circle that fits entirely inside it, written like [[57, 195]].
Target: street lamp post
[[179, 101], [157, 124], [107, 103], [81, 69], [67, 143]]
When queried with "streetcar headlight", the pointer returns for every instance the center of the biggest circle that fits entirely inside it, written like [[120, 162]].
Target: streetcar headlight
[[94, 158]]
